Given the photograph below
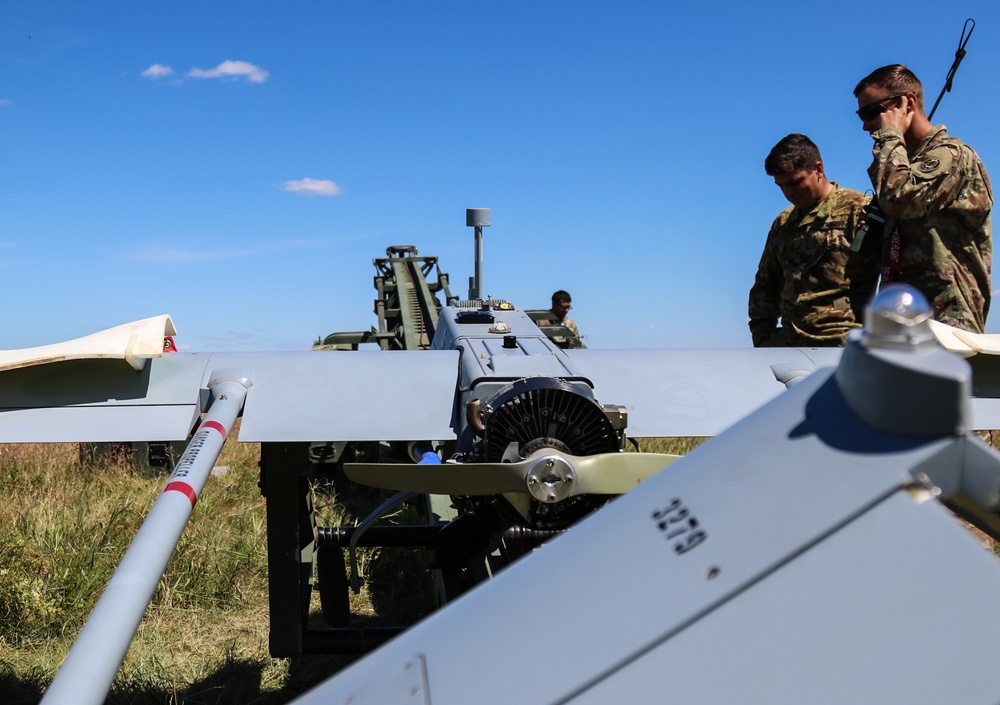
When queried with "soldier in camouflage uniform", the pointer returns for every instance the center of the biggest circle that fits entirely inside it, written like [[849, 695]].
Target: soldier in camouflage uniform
[[808, 277], [937, 198], [561, 305]]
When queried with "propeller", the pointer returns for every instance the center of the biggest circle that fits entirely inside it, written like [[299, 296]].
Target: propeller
[[547, 475]]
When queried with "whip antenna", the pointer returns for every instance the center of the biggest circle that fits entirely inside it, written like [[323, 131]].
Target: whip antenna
[[959, 55]]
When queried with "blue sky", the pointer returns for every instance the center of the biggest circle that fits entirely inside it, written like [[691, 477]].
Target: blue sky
[[239, 165]]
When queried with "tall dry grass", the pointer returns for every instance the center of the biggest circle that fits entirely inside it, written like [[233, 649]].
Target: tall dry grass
[[64, 530]]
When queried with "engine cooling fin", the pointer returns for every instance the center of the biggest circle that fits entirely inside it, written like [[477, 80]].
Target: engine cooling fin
[[534, 409]]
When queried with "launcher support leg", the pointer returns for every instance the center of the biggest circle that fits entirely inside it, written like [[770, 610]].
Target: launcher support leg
[[290, 543]]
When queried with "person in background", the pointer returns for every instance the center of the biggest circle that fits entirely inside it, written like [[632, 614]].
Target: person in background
[[808, 277], [562, 303]]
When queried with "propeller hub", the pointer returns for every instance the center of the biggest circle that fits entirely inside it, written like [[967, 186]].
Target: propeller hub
[[550, 479]]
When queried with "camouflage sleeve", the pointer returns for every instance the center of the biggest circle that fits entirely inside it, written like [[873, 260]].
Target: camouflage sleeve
[[913, 189], [764, 305]]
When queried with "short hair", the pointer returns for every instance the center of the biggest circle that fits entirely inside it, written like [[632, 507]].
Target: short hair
[[792, 153], [562, 296], [894, 78]]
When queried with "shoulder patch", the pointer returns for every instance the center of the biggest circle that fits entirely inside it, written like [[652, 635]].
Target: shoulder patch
[[934, 163]]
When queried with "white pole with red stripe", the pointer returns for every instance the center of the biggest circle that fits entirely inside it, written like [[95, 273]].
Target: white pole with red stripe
[[90, 667]]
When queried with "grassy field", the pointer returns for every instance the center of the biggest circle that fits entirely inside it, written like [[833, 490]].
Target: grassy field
[[203, 639], [65, 530]]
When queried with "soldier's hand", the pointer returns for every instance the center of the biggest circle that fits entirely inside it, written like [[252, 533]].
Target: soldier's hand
[[898, 115]]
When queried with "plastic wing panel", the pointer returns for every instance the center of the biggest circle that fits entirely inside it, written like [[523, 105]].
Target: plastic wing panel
[[401, 395], [692, 392]]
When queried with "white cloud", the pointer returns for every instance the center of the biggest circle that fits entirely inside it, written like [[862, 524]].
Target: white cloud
[[312, 187], [233, 70], [4, 102], [157, 71]]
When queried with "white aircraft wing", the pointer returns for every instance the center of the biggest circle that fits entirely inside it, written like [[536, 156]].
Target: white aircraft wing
[[689, 392], [295, 397], [395, 395], [383, 396], [701, 392]]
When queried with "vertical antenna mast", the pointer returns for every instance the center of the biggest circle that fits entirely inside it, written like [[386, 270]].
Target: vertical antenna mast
[[477, 218]]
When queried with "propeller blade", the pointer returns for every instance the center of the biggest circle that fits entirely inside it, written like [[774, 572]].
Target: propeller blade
[[617, 473]]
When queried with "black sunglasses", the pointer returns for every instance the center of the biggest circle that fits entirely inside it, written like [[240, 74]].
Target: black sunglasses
[[867, 112]]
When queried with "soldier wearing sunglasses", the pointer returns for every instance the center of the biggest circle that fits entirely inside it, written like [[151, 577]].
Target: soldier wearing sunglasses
[[936, 196], [808, 276]]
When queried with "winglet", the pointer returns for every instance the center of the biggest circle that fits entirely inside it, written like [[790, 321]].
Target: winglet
[[133, 342]]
